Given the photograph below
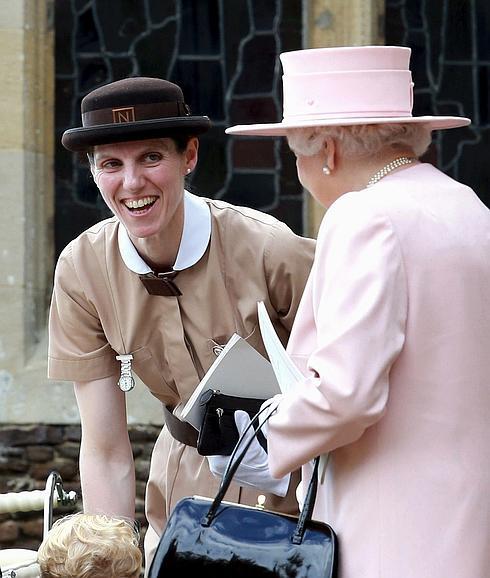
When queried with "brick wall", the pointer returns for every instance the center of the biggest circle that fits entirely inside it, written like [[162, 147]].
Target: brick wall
[[28, 453]]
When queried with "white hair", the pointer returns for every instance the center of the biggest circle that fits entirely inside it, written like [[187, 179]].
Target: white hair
[[362, 140]]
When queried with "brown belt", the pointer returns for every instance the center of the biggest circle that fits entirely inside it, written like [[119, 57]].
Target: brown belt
[[180, 430]]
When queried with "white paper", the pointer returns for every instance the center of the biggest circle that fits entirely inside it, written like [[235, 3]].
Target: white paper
[[287, 374]]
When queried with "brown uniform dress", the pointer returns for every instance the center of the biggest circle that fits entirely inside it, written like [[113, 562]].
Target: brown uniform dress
[[101, 309]]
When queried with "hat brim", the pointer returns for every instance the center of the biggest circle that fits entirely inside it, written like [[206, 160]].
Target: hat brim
[[83, 138], [281, 128]]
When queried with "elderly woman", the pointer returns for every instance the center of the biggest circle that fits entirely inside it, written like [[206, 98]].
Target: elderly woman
[[158, 289], [393, 331]]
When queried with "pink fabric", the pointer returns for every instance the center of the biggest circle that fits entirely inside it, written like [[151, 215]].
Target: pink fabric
[[393, 335], [345, 58], [389, 93]]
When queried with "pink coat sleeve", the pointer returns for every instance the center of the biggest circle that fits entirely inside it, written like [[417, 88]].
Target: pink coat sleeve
[[351, 328]]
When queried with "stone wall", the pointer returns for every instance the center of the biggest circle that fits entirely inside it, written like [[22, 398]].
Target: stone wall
[[26, 187], [28, 453]]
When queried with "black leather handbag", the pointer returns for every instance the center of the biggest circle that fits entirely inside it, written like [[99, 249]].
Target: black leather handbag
[[218, 434], [210, 538]]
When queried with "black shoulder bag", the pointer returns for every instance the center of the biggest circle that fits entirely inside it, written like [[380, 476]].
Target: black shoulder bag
[[211, 538]]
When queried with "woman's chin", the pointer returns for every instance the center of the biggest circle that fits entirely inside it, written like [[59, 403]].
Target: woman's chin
[[139, 226], [141, 232]]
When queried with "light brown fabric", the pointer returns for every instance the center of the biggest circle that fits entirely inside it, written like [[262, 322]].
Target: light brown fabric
[[100, 309]]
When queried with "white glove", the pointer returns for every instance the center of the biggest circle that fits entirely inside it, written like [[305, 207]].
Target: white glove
[[254, 468]]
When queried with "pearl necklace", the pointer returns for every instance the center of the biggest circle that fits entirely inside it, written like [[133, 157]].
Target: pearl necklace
[[399, 162]]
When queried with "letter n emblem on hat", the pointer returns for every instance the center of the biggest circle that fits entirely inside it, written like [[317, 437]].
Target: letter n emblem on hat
[[123, 114]]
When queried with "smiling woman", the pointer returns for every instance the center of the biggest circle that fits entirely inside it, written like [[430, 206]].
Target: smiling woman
[[155, 289]]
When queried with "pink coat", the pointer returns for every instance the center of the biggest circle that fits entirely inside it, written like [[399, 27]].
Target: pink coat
[[393, 334]]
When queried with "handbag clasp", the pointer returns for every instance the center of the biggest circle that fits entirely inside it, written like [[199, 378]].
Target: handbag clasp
[[260, 502]]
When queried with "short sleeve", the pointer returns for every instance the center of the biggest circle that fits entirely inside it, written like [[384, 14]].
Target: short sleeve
[[288, 260], [78, 347]]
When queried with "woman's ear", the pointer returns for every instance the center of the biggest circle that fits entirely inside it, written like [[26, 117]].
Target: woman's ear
[[95, 174], [330, 151], [191, 155], [91, 164]]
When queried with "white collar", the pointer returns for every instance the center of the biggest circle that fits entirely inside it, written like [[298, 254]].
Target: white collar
[[195, 238]]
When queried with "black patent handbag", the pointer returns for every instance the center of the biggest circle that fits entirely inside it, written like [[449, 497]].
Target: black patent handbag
[[211, 538]]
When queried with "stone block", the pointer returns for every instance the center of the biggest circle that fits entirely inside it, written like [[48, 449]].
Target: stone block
[[23, 291], [67, 469], [73, 433], [140, 506], [29, 435], [39, 454], [143, 433], [33, 529], [8, 453], [12, 218], [69, 450], [142, 469], [11, 338], [12, 101], [28, 543], [140, 489], [38, 97], [14, 465], [10, 483], [9, 531], [11, 15], [27, 68]]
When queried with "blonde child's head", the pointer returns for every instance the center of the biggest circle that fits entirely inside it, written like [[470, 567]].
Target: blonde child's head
[[90, 546]]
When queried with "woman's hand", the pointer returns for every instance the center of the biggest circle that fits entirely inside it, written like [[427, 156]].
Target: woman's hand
[[254, 468]]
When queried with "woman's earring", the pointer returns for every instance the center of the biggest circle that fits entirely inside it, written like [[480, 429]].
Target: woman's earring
[[187, 171], [326, 170]]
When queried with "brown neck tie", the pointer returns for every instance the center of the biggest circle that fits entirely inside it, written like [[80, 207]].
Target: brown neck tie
[[161, 284]]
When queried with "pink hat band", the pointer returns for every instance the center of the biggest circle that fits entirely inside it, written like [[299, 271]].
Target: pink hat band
[[371, 93], [346, 86]]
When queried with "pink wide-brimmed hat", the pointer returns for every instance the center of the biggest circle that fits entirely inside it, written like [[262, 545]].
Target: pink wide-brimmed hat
[[347, 86]]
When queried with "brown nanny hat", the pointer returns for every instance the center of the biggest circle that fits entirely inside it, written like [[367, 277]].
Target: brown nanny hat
[[133, 109]]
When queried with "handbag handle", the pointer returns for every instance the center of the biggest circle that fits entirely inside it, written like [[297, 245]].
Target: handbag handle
[[231, 468]]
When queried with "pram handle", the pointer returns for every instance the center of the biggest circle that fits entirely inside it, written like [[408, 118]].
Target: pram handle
[[53, 495], [21, 501], [21, 562]]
